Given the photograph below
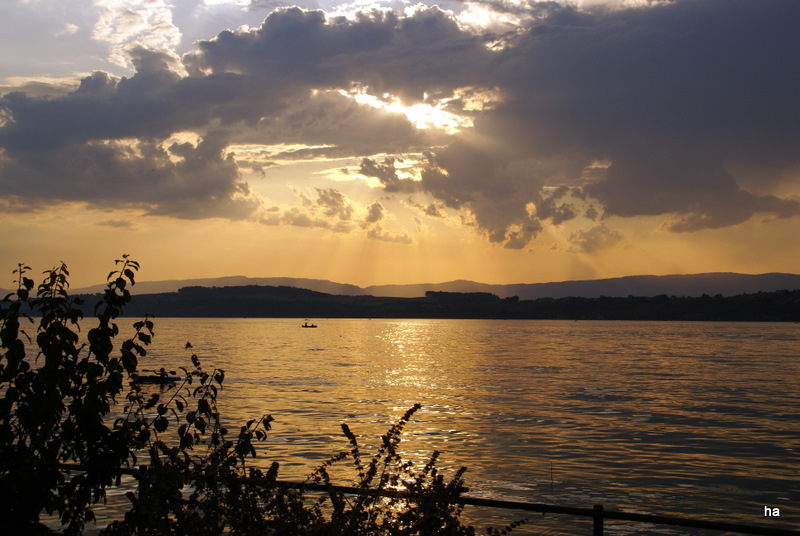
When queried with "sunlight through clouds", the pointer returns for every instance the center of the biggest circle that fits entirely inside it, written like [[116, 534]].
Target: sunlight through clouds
[[240, 3], [507, 126], [421, 115], [126, 24]]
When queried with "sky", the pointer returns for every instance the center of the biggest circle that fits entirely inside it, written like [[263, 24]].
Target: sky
[[501, 141]]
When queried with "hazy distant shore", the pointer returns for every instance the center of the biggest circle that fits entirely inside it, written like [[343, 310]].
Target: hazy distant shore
[[725, 283], [290, 302]]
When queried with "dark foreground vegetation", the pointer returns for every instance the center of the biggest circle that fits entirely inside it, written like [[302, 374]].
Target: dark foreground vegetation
[[290, 302], [75, 419]]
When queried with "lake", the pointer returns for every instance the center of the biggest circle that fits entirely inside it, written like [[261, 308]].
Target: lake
[[674, 418]]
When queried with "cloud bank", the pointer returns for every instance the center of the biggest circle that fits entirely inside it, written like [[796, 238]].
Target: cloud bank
[[686, 110]]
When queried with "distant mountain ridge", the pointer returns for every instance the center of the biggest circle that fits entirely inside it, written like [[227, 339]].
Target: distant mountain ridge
[[172, 285], [724, 283]]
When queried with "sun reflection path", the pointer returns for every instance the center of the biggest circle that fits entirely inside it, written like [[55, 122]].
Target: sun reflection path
[[674, 418]]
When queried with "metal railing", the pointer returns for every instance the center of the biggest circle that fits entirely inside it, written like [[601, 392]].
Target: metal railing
[[597, 512]]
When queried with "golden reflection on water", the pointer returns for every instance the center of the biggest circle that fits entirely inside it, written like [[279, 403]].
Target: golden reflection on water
[[672, 418]]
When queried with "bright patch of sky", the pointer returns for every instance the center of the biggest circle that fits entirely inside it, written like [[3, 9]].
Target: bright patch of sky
[[421, 115], [240, 3], [124, 24]]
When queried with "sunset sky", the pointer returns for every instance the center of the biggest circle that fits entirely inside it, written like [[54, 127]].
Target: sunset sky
[[503, 141]]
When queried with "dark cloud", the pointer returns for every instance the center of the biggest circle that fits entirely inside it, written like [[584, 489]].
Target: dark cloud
[[15, 205], [331, 209], [335, 126], [377, 233], [117, 224], [595, 239], [668, 95], [506, 193], [698, 190], [407, 56], [334, 204], [40, 89], [649, 111], [104, 142], [386, 173], [296, 217], [374, 213], [183, 180], [520, 235], [434, 210]]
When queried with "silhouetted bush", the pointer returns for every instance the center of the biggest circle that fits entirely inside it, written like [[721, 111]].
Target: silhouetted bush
[[68, 434]]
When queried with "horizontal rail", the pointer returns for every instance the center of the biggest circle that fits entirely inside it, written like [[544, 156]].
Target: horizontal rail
[[629, 516], [597, 513], [574, 511]]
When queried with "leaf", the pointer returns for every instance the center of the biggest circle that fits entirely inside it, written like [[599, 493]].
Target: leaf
[[160, 424], [130, 362], [153, 401]]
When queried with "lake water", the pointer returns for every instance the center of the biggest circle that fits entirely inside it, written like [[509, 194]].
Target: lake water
[[685, 419]]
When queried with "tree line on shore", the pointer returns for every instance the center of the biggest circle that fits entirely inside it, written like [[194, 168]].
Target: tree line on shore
[[291, 302]]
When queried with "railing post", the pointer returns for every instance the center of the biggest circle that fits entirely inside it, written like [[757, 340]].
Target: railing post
[[597, 511]]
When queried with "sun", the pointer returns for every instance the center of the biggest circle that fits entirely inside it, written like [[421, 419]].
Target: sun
[[422, 115]]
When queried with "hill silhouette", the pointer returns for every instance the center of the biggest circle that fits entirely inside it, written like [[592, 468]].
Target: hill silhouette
[[727, 284], [290, 302]]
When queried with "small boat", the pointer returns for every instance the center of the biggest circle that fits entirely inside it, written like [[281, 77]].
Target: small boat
[[307, 325]]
